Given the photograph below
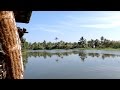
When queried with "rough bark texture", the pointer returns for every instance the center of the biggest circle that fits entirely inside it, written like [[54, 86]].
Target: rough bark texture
[[10, 41]]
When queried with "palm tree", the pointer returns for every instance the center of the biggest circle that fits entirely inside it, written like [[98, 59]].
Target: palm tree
[[44, 44], [91, 43], [102, 41], [82, 42], [102, 38], [96, 43], [56, 38]]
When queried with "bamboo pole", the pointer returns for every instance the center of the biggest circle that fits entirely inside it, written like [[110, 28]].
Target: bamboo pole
[[11, 45]]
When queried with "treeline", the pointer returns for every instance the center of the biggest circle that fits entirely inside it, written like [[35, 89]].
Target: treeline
[[82, 43]]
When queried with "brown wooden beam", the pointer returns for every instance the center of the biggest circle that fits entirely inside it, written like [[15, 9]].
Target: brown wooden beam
[[11, 44]]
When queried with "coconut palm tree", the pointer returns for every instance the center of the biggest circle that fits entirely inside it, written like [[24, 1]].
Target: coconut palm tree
[[56, 38]]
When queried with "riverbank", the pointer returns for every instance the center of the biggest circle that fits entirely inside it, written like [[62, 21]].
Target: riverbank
[[102, 49], [81, 49], [24, 51]]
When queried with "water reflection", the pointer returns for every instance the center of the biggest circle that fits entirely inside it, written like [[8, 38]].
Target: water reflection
[[94, 54], [60, 55], [83, 55]]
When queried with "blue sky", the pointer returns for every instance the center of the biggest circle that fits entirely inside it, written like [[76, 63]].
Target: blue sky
[[71, 25]]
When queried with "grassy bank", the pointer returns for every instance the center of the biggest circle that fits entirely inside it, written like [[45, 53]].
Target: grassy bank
[[84, 49], [98, 49], [24, 51]]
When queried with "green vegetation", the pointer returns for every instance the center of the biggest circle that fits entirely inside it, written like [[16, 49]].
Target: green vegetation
[[103, 43]]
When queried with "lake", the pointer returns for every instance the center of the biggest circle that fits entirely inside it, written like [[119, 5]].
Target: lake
[[72, 64]]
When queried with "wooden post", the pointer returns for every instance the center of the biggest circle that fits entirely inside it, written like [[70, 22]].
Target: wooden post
[[11, 45]]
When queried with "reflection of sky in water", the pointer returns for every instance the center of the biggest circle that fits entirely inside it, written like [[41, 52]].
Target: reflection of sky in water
[[72, 66]]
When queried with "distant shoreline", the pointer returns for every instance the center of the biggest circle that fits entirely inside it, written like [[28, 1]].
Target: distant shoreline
[[81, 49], [78, 49]]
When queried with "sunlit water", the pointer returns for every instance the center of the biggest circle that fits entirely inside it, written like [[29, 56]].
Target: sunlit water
[[69, 64]]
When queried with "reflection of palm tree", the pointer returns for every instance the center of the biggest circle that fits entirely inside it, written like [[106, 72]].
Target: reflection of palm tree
[[62, 57], [83, 58], [82, 55], [57, 60], [44, 56], [58, 55], [103, 57]]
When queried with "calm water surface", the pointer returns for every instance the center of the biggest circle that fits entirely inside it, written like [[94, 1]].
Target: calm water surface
[[69, 64]]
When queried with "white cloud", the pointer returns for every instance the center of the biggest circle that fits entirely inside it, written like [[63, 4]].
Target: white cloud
[[106, 20], [109, 21], [101, 20], [101, 26]]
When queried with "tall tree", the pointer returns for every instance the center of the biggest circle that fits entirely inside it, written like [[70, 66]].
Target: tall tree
[[56, 45], [97, 43], [44, 44], [82, 42], [102, 38], [102, 42]]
